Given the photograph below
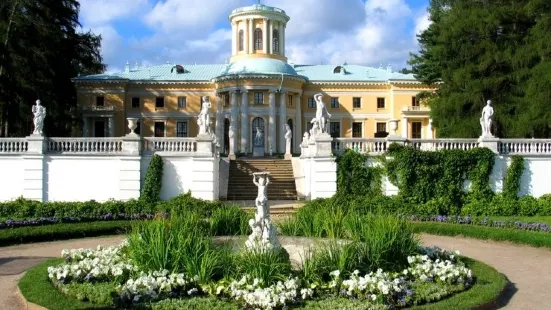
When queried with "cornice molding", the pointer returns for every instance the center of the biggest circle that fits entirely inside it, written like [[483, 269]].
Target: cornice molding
[[230, 77]]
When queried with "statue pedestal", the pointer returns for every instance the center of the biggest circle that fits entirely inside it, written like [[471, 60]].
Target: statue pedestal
[[288, 155], [322, 145], [258, 151], [489, 142]]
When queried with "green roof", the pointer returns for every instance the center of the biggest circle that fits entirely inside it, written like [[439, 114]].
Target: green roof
[[253, 66]]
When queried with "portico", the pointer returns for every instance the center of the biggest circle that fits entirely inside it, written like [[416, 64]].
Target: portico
[[98, 121]]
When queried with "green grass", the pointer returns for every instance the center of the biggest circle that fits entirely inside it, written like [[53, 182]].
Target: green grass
[[36, 288], [525, 219], [11, 236], [532, 238]]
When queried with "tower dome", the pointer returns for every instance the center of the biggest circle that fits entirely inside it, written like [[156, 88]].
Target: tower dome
[[258, 31]]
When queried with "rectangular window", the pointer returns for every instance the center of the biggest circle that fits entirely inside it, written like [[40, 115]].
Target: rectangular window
[[182, 102], [227, 100], [335, 129], [416, 130], [334, 102], [381, 127], [100, 101], [290, 100], [414, 101], [258, 98], [160, 102], [181, 129], [159, 129], [135, 102], [311, 103], [357, 103], [138, 129], [357, 130], [380, 103]]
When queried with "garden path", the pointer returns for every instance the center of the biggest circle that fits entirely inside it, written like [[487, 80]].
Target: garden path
[[527, 268]]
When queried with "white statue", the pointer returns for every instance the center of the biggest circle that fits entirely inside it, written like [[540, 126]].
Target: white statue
[[288, 137], [487, 119], [263, 236], [258, 139], [39, 112], [231, 134], [315, 128], [203, 120], [306, 138], [322, 116]]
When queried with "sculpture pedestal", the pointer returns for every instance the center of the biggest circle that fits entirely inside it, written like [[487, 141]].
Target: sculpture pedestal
[[489, 142], [288, 155], [322, 145], [258, 151]]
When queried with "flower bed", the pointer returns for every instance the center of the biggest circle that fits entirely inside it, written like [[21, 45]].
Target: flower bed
[[467, 220], [431, 266]]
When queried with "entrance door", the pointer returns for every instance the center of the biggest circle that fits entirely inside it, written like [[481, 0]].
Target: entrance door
[[99, 128], [258, 134], [290, 123], [226, 136]]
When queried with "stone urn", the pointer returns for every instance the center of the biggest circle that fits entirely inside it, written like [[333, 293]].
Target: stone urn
[[393, 126], [132, 124]]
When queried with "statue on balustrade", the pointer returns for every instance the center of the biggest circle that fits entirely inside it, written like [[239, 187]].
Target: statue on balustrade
[[486, 120], [203, 120], [39, 112], [322, 116]]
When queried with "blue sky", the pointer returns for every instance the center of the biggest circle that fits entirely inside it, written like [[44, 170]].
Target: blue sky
[[152, 32]]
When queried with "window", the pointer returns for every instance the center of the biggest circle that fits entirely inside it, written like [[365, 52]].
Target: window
[[416, 130], [381, 127], [227, 100], [135, 102], [257, 39], [182, 102], [357, 103], [356, 130], [335, 129], [275, 41], [181, 129], [159, 129], [290, 100], [334, 102], [160, 102], [138, 129], [311, 102], [258, 98], [380, 103], [100, 101], [241, 40], [414, 101]]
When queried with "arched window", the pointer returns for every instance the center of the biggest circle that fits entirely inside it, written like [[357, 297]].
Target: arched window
[[241, 40], [258, 126], [275, 41], [258, 39]]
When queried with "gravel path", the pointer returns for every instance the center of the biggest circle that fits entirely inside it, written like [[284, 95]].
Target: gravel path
[[527, 268]]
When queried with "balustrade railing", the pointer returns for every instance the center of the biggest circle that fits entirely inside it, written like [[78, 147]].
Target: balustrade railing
[[176, 145], [84, 145], [443, 144], [13, 145], [524, 146], [375, 145]]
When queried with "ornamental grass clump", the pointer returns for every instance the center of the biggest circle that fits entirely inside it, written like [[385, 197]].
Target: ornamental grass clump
[[265, 266], [230, 221]]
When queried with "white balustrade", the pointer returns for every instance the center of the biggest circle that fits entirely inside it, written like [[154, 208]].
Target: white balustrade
[[13, 145], [85, 145], [524, 146], [443, 144], [361, 145], [175, 145]]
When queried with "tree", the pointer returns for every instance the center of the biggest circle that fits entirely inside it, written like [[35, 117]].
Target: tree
[[480, 50], [42, 51]]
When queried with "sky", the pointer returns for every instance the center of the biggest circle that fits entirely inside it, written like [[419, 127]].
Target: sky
[[154, 32]]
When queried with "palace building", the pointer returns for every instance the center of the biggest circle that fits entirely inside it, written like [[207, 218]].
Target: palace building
[[257, 88]]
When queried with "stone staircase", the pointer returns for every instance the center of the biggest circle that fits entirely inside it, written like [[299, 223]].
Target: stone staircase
[[282, 181]]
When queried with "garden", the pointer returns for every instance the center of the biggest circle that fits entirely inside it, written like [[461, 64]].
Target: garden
[[363, 250]]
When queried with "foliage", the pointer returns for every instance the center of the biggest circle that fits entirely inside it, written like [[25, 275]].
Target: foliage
[[268, 266], [230, 220], [204, 303], [480, 50], [96, 293], [485, 221], [511, 184], [355, 176], [41, 50], [153, 181]]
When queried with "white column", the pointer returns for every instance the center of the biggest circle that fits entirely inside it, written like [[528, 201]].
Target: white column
[[85, 126], [282, 39], [219, 121], [234, 38], [272, 122], [270, 38], [265, 36], [429, 133], [282, 121], [298, 122], [244, 121], [234, 115], [111, 125], [250, 37], [404, 126]]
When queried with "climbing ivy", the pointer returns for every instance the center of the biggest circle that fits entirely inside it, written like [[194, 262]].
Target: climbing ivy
[[358, 174], [513, 176], [151, 191]]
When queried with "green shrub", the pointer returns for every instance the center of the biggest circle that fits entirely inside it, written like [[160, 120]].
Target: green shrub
[[544, 203], [230, 220], [269, 266], [153, 181], [476, 207], [511, 183], [528, 206], [502, 206], [99, 293]]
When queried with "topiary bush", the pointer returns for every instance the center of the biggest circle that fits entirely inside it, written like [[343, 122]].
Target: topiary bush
[[153, 182], [544, 205], [511, 183]]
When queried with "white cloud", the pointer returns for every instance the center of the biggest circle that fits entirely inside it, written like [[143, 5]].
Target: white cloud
[[98, 12], [422, 23]]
